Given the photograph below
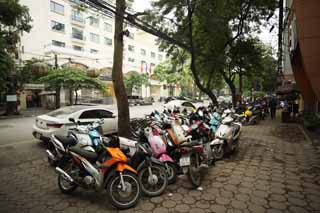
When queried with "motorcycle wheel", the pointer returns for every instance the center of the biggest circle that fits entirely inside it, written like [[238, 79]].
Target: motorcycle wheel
[[64, 184], [194, 171], [120, 198], [153, 185], [218, 154], [172, 172]]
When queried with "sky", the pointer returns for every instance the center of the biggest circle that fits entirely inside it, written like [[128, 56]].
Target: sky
[[265, 36]]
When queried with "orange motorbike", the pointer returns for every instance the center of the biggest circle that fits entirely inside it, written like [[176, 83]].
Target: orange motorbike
[[106, 168]]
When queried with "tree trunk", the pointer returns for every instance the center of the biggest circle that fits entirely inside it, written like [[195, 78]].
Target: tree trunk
[[232, 89], [11, 106], [193, 67], [240, 87], [70, 96], [117, 75], [58, 97], [76, 99]]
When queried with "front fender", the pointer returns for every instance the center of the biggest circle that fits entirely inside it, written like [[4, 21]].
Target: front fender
[[123, 166], [216, 141], [165, 158]]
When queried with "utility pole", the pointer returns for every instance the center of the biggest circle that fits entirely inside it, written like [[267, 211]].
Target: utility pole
[[280, 38], [56, 66]]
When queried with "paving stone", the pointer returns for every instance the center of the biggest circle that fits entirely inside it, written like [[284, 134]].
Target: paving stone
[[160, 210], [196, 210], [258, 200], [189, 200], [254, 208], [218, 208], [297, 202], [182, 208], [278, 205], [238, 204], [277, 197], [242, 197], [222, 200], [203, 204], [147, 206], [169, 204], [262, 194], [296, 209], [160, 199]]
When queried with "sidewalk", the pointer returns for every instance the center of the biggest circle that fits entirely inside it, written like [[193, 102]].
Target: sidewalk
[[275, 170], [31, 112]]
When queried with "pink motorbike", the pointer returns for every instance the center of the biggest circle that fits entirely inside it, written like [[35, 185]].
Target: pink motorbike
[[159, 149]]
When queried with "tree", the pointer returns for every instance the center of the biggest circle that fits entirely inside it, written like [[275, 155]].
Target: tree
[[172, 73], [135, 81], [14, 19], [117, 75], [245, 60], [204, 29], [73, 79]]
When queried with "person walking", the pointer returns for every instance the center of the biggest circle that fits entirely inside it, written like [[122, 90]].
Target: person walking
[[273, 108]]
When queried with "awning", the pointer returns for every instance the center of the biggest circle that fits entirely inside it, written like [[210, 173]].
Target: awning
[[287, 89]]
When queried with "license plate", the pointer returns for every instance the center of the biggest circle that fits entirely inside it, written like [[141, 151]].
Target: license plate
[[185, 161]]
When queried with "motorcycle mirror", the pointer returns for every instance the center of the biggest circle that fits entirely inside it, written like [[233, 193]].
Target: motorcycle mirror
[[72, 120]]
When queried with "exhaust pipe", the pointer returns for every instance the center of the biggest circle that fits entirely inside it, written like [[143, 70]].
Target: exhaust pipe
[[50, 155], [60, 171]]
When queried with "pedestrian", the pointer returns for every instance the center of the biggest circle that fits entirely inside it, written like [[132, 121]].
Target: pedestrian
[[273, 107]]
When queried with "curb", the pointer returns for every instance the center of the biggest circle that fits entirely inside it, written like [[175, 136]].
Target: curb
[[14, 116]]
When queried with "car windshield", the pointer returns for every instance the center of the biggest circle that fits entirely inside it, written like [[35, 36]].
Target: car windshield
[[64, 112]]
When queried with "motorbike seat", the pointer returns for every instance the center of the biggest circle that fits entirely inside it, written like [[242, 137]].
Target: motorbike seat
[[125, 150], [236, 129], [66, 141], [91, 156], [191, 143]]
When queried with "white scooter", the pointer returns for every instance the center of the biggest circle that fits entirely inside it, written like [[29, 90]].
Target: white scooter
[[226, 137]]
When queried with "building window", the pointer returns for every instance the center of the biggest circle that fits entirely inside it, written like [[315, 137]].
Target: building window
[[94, 21], [58, 43], [57, 8], [77, 34], [78, 48], [107, 27], [143, 52], [77, 15], [79, 2], [160, 57], [94, 38], [107, 41], [109, 13], [153, 55], [56, 26], [93, 51], [131, 48], [131, 36], [131, 59]]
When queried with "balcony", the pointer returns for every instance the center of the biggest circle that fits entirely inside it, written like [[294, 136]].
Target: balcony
[[78, 21]]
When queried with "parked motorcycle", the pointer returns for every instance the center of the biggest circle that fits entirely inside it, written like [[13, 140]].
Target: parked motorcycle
[[151, 172], [85, 136], [227, 137], [105, 169]]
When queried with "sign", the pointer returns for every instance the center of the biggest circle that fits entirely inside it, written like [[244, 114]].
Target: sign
[[11, 98]]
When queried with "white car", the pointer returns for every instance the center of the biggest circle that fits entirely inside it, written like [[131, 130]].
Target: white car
[[180, 104], [57, 122]]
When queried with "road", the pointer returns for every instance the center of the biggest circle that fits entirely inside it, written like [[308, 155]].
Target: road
[[18, 130], [17, 143]]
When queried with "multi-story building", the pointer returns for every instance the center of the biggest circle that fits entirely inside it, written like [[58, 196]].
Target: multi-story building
[[302, 36], [84, 37]]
